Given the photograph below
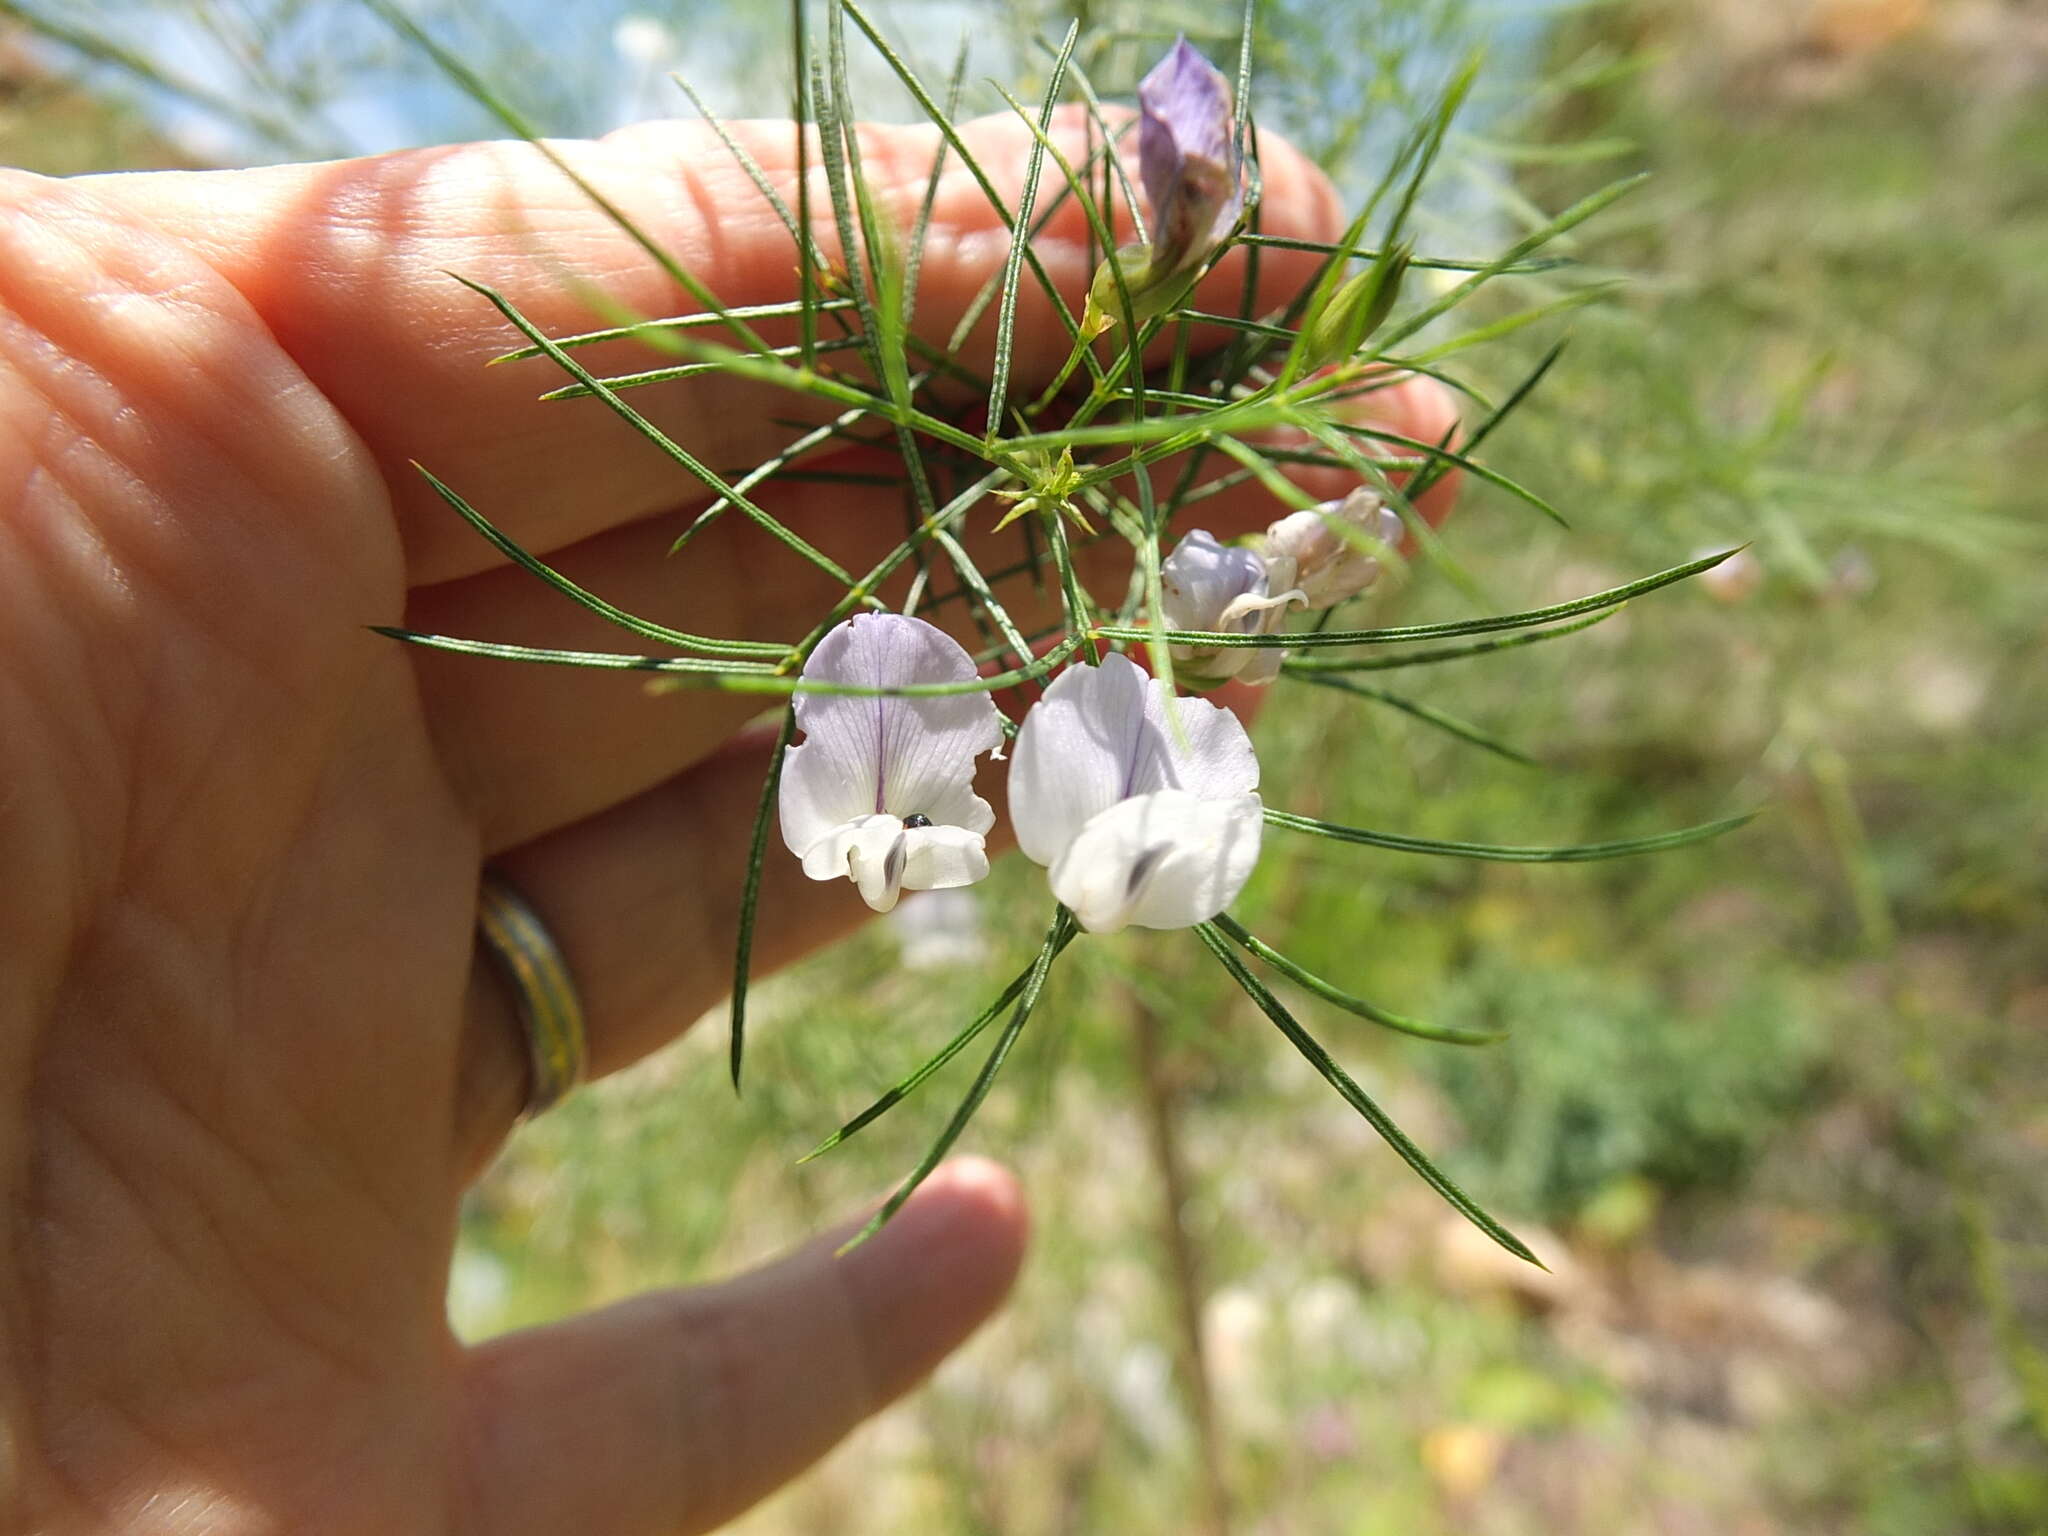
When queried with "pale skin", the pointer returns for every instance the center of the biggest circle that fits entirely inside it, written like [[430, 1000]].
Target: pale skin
[[248, 1057]]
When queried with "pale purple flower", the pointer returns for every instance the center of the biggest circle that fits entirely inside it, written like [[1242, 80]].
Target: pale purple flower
[[1206, 584], [1325, 551], [1140, 818], [881, 791], [1187, 157]]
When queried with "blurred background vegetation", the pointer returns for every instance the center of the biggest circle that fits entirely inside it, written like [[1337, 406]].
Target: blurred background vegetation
[[1775, 1108]]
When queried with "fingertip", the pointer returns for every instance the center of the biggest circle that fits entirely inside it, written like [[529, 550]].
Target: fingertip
[[1425, 405], [1429, 412], [1413, 406], [984, 1192], [938, 1270]]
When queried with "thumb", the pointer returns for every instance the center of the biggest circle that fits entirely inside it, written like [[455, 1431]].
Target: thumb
[[675, 1411]]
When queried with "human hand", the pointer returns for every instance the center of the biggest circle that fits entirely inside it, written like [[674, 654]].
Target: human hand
[[251, 1058]]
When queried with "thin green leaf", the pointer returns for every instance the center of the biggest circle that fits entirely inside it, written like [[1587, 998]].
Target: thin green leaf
[[1449, 724], [1441, 467], [1528, 619], [1027, 1000], [654, 434], [803, 115], [668, 375], [884, 319], [1350, 1002], [728, 676], [914, 259], [1020, 239], [946, 1053], [1524, 152], [609, 612], [1447, 108], [814, 438], [1438, 263], [650, 330], [1309, 665], [716, 673], [1463, 460], [973, 582], [1113, 172], [1507, 325], [1578, 853], [750, 893], [752, 167], [1356, 1097]]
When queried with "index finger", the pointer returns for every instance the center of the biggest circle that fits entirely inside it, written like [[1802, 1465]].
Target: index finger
[[347, 263]]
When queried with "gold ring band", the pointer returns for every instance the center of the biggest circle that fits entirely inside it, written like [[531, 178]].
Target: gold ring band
[[544, 997]]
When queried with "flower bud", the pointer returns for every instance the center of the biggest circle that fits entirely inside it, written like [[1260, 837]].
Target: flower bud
[[1357, 309], [1187, 158], [1322, 552], [1209, 585]]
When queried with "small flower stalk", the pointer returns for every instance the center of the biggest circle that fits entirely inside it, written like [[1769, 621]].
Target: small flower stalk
[[1141, 819], [881, 790]]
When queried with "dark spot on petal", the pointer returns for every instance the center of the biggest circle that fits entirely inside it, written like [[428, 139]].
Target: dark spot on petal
[[1142, 869]]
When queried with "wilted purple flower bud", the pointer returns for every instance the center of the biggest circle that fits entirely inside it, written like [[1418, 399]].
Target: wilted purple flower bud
[[1209, 585], [1311, 552], [1187, 157]]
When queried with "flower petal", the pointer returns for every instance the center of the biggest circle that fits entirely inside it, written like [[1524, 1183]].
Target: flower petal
[[1102, 734], [1187, 155], [1074, 752], [884, 858], [865, 754], [1200, 747], [1259, 667], [1203, 578], [1329, 566], [940, 858], [862, 850], [1164, 860]]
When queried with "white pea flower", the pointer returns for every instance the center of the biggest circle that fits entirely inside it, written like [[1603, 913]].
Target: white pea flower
[[1210, 585], [1309, 551], [881, 791], [1139, 818]]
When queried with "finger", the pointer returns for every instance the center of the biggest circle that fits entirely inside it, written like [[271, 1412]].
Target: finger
[[673, 1412], [347, 263], [643, 901], [535, 748]]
